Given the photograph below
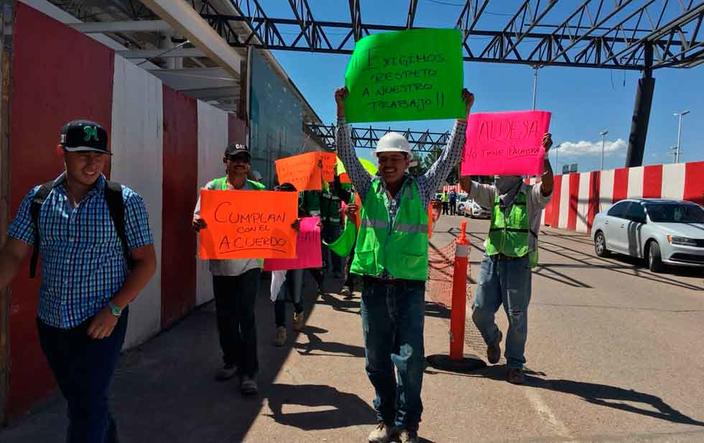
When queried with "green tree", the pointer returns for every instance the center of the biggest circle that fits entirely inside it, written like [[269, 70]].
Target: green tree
[[427, 161]]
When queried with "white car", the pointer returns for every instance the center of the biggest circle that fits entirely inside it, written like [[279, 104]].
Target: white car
[[476, 211], [664, 232]]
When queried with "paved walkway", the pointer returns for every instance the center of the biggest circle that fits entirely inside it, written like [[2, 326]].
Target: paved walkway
[[610, 349]]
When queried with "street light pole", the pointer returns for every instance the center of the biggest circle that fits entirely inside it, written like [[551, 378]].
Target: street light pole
[[535, 85], [679, 133], [603, 142]]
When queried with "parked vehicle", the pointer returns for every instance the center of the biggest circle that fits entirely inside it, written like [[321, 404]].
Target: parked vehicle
[[476, 211], [462, 201], [663, 232]]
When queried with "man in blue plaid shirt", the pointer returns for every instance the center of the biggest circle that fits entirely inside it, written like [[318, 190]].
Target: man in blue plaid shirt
[[86, 281]]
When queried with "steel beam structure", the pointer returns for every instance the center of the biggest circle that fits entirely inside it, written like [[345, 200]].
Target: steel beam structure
[[422, 142], [189, 23], [596, 34]]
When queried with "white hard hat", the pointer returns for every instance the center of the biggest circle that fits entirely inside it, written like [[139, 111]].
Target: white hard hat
[[393, 142]]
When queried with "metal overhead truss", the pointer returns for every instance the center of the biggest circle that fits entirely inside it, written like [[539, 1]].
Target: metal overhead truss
[[421, 141], [595, 33]]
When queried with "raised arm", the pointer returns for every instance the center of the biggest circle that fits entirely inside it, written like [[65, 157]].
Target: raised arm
[[548, 180], [361, 179], [483, 194]]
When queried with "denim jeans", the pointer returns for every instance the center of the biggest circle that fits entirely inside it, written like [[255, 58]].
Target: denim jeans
[[83, 368], [392, 322], [506, 282], [331, 232], [292, 289], [235, 297]]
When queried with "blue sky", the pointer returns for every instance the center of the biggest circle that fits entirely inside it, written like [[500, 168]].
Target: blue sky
[[582, 101]]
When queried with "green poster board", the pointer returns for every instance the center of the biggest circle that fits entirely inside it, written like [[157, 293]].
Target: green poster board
[[406, 75]]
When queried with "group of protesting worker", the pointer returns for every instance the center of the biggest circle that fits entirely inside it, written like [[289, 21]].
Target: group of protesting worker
[[97, 255], [82, 321]]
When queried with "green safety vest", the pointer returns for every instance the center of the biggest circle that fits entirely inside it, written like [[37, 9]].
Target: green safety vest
[[508, 234], [220, 184], [399, 246]]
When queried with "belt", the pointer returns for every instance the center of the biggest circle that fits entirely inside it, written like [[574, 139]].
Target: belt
[[390, 281], [500, 256]]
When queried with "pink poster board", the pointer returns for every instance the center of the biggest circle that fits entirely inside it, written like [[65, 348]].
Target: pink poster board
[[308, 253], [505, 143]]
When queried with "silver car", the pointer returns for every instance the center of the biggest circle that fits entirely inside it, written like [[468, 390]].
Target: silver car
[[664, 232]]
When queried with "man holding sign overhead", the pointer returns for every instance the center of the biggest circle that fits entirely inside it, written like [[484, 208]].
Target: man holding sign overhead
[[392, 256], [511, 252]]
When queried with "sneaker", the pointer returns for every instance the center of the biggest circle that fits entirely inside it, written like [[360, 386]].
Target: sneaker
[[516, 376], [383, 433], [493, 352], [346, 292], [280, 338], [299, 320], [226, 372], [408, 436], [248, 386]]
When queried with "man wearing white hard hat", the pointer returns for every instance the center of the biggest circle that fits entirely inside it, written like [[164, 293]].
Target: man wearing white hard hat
[[391, 255]]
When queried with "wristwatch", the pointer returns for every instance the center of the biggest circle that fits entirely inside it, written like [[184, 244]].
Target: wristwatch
[[115, 310]]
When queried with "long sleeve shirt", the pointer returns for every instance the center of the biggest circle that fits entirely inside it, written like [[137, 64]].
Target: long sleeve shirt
[[427, 183]]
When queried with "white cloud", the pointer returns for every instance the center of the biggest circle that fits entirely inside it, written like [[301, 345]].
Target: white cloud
[[585, 148]]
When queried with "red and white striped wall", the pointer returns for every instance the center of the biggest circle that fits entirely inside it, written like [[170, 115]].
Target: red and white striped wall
[[577, 198], [165, 146]]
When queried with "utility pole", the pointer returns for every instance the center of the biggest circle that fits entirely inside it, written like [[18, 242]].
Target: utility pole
[[679, 133], [603, 142], [535, 84]]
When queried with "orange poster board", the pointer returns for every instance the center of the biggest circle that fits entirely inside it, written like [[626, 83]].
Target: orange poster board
[[247, 224], [329, 162], [303, 171]]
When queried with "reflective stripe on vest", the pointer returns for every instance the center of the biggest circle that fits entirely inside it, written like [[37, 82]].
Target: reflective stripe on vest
[[415, 229], [392, 248], [378, 224]]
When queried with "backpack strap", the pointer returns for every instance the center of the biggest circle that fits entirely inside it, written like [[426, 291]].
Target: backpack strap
[[34, 210], [116, 206]]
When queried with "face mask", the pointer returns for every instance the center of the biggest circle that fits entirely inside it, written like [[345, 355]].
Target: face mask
[[506, 183]]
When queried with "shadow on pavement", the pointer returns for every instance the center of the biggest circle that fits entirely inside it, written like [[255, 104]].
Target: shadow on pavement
[[336, 409], [325, 348], [627, 400]]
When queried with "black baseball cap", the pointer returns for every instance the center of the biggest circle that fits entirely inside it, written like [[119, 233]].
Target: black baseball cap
[[84, 136], [234, 149]]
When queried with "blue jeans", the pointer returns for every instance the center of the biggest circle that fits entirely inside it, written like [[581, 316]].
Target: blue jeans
[[392, 321], [506, 282], [83, 368], [292, 289]]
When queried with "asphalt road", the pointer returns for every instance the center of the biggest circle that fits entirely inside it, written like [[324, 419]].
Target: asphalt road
[[614, 354]]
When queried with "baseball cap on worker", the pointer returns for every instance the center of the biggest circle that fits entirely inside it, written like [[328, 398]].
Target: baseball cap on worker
[[235, 149], [84, 136]]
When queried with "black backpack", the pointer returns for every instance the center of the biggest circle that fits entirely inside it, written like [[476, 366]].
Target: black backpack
[[113, 197]]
